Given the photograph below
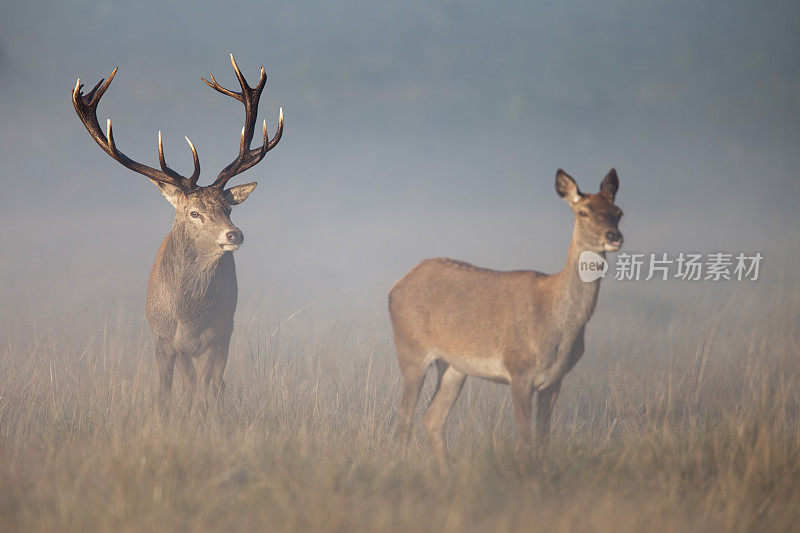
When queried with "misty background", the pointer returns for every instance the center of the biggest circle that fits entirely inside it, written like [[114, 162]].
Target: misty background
[[412, 130]]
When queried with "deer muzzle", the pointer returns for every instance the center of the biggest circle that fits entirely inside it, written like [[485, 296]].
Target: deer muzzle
[[230, 239], [613, 241]]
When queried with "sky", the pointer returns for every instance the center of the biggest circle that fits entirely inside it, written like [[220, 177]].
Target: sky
[[413, 129]]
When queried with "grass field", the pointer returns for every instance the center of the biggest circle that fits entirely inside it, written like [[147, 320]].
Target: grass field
[[682, 416]]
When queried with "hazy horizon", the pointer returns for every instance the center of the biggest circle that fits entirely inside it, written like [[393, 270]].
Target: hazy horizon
[[412, 130]]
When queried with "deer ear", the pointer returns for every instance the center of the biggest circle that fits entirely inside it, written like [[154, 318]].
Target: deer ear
[[610, 185], [169, 191], [238, 194], [566, 187]]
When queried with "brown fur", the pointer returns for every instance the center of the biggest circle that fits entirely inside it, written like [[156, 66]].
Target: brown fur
[[520, 327], [192, 291]]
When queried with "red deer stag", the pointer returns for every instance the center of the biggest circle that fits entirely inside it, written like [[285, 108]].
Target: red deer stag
[[192, 291], [522, 327]]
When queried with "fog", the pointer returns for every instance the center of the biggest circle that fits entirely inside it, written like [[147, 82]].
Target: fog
[[413, 129]]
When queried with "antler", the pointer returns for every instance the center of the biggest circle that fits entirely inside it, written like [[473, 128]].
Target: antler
[[86, 107], [249, 97]]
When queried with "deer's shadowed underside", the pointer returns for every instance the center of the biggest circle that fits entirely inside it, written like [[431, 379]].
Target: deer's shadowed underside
[[524, 328], [192, 291]]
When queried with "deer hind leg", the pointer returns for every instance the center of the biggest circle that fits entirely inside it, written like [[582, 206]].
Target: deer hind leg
[[441, 368], [412, 370], [165, 361], [545, 401], [436, 415]]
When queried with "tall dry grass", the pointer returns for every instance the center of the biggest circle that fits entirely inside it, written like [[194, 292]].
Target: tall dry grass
[[683, 415]]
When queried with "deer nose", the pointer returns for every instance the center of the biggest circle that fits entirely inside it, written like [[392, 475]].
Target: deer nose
[[235, 236], [613, 236]]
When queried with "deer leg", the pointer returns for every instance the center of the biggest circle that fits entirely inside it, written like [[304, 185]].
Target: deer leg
[[545, 400], [208, 358], [521, 391], [436, 415], [413, 374], [441, 368], [186, 366], [215, 361], [165, 361], [219, 363]]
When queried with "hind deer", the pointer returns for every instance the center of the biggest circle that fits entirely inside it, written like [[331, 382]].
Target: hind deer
[[524, 328], [192, 291]]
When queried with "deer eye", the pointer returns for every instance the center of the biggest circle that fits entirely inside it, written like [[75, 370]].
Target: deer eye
[[583, 213], [194, 214]]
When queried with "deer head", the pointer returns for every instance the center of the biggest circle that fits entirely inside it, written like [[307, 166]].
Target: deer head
[[202, 213], [596, 216]]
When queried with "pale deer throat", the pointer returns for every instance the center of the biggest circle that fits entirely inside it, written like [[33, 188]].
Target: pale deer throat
[[577, 298]]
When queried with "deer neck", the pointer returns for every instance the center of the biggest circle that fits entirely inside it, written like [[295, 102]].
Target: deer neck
[[575, 298], [196, 268]]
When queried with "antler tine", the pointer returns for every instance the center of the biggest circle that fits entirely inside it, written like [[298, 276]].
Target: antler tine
[[191, 181], [219, 88], [266, 138], [86, 108], [262, 80], [161, 161], [95, 95], [278, 133], [249, 97], [110, 138], [242, 81], [196, 174]]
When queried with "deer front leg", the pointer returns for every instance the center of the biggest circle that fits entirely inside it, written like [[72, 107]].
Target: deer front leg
[[208, 359], [216, 358], [186, 367], [165, 361], [217, 383], [521, 390], [545, 400]]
